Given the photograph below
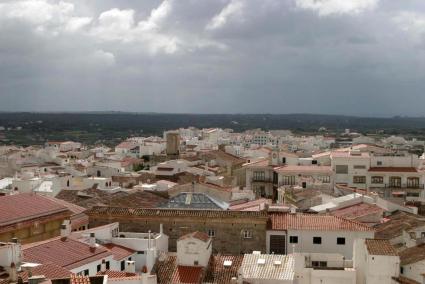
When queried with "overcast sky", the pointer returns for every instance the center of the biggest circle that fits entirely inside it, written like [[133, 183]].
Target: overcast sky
[[356, 57]]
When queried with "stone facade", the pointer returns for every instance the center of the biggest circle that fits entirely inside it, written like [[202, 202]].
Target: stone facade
[[233, 232]]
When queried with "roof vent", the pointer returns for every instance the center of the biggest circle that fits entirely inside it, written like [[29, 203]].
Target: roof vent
[[261, 261], [277, 262], [227, 263]]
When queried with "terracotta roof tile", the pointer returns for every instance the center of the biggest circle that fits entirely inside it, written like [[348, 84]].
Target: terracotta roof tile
[[79, 279], [394, 169], [169, 272], [217, 273], [285, 221], [24, 206], [357, 210], [118, 251], [197, 235], [412, 255], [397, 223], [49, 270], [117, 274], [67, 253], [380, 247]]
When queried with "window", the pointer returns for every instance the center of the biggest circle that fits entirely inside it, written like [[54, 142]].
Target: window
[[379, 163], [359, 179], [108, 265], [359, 167], [122, 265], [401, 270], [317, 240], [340, 241], [314, 162], [288, 180], [283, 160], [141, 252], [413, 182], [377, 179], [319, 264], [325, 179], [196, 263], [211, 233], [86, 272], [247, 234], [293, 239], [98, 267], [341, 169], [259, 176]]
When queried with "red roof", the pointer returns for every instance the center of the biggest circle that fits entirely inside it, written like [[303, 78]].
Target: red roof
[[79, 279], [187, 274], [394, 169], [116, 274], [65, 252], [288, 221], [49, 270], [357, 210], [197, 235], [119, 252], [24, 206]]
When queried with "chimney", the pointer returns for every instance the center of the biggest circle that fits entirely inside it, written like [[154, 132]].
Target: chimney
[[65, 228], [103, 266], [13, 275], [131, 267], [92, 241]]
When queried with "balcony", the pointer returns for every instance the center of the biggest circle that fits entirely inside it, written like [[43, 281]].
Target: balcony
[[262, 180], [404, 186]]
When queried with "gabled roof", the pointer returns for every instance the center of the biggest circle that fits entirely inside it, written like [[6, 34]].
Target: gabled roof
[[20, 207], [119, 252], [297, 221], [65, 252], [398, 222], [380, 247], [412, 255], [196, 235], [49, 270]]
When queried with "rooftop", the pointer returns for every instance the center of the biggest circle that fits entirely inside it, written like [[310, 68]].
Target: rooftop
[[268, 266], [65, 252], [397, 223], [290, 221], [20, 207], [412, 255], [196, 235], [195, 201], [380, 247]]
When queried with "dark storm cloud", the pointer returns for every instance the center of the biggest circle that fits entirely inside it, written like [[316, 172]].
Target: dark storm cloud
[[362, 57]]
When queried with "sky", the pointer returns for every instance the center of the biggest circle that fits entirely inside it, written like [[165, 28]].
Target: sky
[[353, 57]]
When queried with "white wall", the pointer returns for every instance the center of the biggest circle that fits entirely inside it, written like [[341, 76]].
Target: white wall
[[414, 270], [191, 250]]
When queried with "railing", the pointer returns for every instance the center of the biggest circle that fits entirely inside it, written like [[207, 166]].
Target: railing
[[260, 179], [405, 185]]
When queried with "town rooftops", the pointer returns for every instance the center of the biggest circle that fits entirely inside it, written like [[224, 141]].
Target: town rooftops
[[25, 206], [268, 266], [65, 252], [380, 247], [357, 210], [291, 221], [302, 169], [119, 252], [149, 212], [49, 270]]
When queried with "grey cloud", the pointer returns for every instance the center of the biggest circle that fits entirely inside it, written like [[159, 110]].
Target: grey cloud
[[267, 57]]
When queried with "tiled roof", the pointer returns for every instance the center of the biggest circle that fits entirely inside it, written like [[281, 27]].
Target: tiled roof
[[79, 279], [357, 210], [397, 223], [288, 221], [118, 251], [116, 274], [217, 273], [253, 205], [65, 252], [412, 254], [405, 280], [127, 145], [197, 235], [250, 269], [49, 270], [24, 206], [380, 247], [168, 272], [75, 209], [118, 211], [302, 169], [394, 169]]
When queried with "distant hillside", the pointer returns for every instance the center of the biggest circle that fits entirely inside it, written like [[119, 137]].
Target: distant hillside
[[91, 127]]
